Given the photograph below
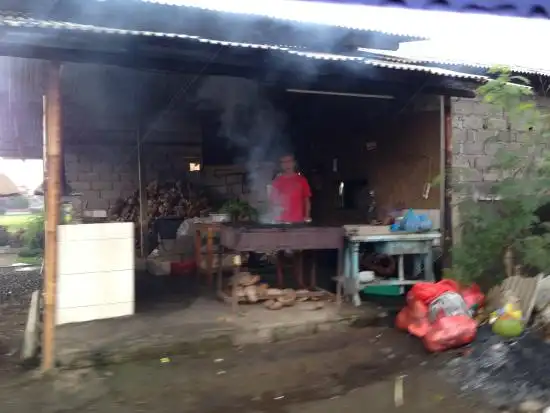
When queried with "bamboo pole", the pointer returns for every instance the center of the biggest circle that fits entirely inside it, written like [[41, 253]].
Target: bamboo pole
[[53, 160]]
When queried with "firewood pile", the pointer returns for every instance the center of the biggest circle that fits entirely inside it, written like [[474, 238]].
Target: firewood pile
[[178, 199], [251, 290]]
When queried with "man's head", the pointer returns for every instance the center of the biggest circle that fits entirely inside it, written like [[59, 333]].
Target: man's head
[[288, 163]]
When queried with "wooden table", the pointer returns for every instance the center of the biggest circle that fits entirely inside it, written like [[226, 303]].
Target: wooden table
[[211, 229], [267, 239], [396, 244]]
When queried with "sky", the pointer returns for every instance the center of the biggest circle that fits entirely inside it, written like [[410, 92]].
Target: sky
[[28, 173], [482, 38]]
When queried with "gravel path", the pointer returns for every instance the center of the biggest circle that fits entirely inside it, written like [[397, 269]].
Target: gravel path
[[17, 284], [16, 287]]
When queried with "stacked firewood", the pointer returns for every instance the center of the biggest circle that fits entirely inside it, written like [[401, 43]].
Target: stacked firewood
[[251, 290], [177, 199]]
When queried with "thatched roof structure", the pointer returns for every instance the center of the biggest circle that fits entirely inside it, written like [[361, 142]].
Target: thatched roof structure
[[7, 187]]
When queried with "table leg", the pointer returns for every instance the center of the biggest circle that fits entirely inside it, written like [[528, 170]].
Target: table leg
[[234, 285], [198, 253], [219, 286], [354, 274], [279, 269], [339, 276], [299, 268], [401, 270], [313, 278], [429, 266], [210, 255], [418, 265], [347, 268]]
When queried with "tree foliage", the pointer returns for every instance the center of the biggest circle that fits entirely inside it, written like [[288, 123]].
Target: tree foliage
[[510, 221]]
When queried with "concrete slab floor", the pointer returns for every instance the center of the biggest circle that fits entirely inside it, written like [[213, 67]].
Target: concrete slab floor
[[329, 372], [204, 323]]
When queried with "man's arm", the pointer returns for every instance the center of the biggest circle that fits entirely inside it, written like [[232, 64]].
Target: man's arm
[[308, 208], [307, 199]]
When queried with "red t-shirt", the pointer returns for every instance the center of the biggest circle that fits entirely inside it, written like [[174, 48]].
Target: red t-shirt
[[290, 193]]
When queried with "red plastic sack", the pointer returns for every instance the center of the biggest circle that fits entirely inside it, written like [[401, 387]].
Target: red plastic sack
[[473, 296], [414, 319], [450, 332], [427, 292], [438, 313]]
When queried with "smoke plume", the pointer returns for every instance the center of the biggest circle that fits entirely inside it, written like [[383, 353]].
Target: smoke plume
[[251, 122]]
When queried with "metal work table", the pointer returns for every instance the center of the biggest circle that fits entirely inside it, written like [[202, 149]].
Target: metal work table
[[390, 243]]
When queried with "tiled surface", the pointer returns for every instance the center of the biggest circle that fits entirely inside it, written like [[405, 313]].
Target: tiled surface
[[96, 272], [97, 312], [96, 255], [96, 288], [119, 230]]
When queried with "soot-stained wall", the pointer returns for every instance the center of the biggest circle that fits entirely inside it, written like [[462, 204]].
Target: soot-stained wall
[[395, 149]]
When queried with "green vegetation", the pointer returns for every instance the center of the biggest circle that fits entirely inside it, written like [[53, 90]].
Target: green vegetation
[[239, 210], [27, 232], [497, 235], [13, 223]]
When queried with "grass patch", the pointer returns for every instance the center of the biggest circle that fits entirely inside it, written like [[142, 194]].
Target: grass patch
[[29, 260], [15, 222]]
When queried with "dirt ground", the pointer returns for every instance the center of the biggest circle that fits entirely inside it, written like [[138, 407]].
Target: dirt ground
[[353, 372]]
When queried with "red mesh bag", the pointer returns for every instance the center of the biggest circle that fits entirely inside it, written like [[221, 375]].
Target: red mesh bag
[[473, 296], [403, 319], [450, 332], [438, 314], [427, 292], [414, 319]]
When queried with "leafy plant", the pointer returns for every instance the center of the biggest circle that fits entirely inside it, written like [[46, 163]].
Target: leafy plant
[[239, 210], [33, 237], [509, 225]]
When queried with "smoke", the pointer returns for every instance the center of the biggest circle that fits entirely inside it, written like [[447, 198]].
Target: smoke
[[249, 121]]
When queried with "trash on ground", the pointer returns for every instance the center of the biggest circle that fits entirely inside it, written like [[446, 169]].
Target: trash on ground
[[165, 360], [507, 372], [398, 394], [441, 314], [508, 320], [530, 406]]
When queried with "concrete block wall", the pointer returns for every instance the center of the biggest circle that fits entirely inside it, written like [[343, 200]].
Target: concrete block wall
[[478, 133], [103, 173]]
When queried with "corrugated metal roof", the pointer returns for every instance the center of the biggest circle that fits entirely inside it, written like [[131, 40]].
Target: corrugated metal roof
[[406, 58], [517, 8], [283, 13], [17, 21], [25, 22], [392, 65]]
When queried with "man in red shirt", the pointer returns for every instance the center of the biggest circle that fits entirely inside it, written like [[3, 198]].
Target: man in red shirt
[[291, 193]]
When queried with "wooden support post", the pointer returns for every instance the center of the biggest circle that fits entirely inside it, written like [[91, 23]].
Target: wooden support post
[[447, 181], [446, 195], [143, 222], [53, 160]]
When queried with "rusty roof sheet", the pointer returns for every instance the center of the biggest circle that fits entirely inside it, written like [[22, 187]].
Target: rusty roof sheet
[[392, 65], [405, 58]]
